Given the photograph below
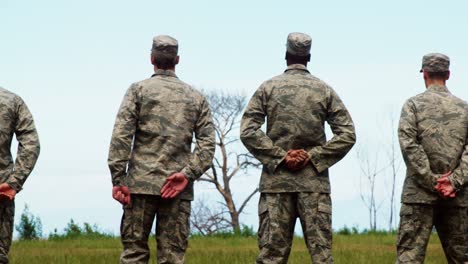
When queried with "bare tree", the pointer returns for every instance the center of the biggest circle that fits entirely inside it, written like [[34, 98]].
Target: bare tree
[[228, 162], [206, 221], [395, 165], [370, 170]]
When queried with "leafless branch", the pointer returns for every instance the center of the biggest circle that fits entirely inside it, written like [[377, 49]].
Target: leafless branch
[[247, 200]]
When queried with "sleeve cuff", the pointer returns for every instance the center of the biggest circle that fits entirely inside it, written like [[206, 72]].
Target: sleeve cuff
[[273, 165], [15, 186], [457, 182], [117, 182], [315, 160], [188, 174], [433, 182]]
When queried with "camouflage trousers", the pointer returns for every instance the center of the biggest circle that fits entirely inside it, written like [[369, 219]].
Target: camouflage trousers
[[416, 223], [278, 213], [172, 229], [7, 215]]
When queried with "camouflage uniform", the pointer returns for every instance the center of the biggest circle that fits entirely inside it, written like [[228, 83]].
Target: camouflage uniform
[[433, 138], [151, 140], [296, 105], [15, 119]]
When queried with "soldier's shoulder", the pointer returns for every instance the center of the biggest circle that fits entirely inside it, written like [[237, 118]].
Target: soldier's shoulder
[[411, 102], [416, 98], [274, 79], [142, 83], [194, 92], [7, 93], [459, 100], [319, 82], [9, 96]]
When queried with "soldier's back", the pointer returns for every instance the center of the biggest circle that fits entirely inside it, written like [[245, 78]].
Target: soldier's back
[[168, 111], [297, 105], [442, 122], [441, 129], [168, 108]]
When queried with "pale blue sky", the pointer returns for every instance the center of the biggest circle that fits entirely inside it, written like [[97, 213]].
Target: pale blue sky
[[73, 60]]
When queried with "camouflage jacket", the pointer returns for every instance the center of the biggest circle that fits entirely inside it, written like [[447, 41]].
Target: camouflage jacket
[[16, 119], [296, 106], [433, 133], [153, 135]]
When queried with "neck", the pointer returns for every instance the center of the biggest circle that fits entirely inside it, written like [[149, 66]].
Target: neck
[[288, 63], [168, 69], [432, 82]]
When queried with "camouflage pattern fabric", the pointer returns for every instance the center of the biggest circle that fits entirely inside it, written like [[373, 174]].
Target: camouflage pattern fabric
[[278, 213], [296, 105], [435, 62], [433, 139], [15, 119], [172, 229], [416, 222], [298, 44], [165, 45], [7, 215], [153, 135]]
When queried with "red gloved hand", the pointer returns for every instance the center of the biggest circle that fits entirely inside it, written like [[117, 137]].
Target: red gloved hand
[[445, 187], [121, 194], [174, 185], [6, 192], [296, 159]]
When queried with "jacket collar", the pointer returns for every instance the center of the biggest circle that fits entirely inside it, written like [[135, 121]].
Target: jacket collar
[[164, 73], [299, 67]]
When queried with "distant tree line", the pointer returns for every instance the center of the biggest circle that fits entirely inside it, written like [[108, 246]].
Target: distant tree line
[[30, 228]]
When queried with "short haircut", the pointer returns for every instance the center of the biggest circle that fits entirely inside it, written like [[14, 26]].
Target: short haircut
[[164, 61], [438, 75], [294, 59]]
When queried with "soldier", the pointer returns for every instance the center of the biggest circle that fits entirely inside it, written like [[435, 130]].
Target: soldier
[[16, 119], [150, 157], [296, 155], [433, 139]]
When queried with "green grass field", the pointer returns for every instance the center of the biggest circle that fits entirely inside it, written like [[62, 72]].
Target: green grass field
[[360, 249]]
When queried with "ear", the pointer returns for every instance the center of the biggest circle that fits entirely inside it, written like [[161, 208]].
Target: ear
[[152, 59], [425, 75], [448, 75], [177, 60]]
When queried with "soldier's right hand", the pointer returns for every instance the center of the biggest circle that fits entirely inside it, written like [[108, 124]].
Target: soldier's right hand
[[121, 194]]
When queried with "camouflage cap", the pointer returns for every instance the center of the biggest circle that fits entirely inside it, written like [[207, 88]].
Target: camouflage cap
[[298, 44], [166, 45], [435, 62]]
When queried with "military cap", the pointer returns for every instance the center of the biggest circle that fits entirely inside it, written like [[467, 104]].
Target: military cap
[[298, 44], [164, 44], [435, 62]]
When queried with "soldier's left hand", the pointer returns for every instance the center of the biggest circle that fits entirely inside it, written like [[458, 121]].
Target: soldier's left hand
[[174, 185], [6, 192]]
